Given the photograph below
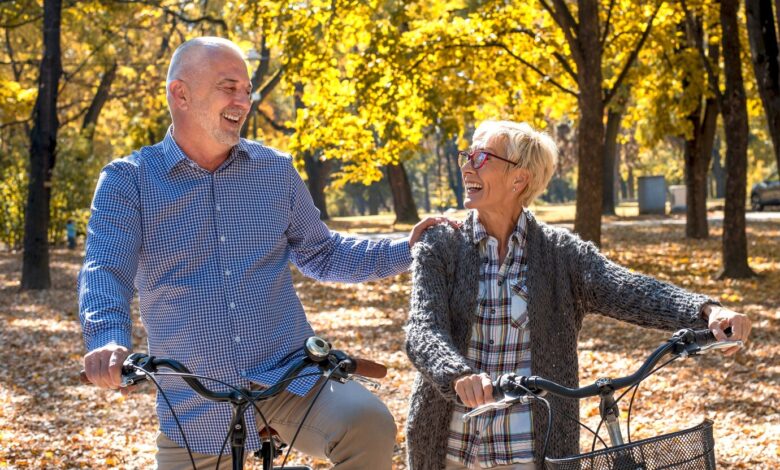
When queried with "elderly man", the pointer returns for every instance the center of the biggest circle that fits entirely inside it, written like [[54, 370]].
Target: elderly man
[[203, 225]]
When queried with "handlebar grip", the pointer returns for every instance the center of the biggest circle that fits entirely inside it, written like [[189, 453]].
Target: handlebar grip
[[705, 337], [370, 369]]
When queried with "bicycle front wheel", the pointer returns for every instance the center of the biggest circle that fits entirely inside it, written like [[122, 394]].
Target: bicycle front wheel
[[689, 449]]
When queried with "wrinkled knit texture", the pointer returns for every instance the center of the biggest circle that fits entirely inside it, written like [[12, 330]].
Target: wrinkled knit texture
[[567, 279]]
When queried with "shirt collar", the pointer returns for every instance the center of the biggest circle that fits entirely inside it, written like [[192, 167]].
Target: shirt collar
[[173, 154], [518, 234]]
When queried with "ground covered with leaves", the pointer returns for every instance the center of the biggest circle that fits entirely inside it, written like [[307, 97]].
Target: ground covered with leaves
[[49, 420]]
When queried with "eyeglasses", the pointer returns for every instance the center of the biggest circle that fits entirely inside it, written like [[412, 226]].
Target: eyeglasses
[[478, 158]]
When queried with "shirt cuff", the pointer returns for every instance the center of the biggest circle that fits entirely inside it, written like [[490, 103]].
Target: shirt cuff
[[401, 254], [122, 338]]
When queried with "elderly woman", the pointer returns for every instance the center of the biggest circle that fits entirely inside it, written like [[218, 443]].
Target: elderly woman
[[507, 293]]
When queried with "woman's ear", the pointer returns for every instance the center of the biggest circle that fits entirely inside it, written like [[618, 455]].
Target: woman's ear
[[521, 178]]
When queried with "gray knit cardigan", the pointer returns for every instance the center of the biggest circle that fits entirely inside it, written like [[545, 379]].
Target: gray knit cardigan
[[567, 278]]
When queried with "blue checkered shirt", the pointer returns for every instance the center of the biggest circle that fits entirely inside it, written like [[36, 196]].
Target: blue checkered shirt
[[208, 253]]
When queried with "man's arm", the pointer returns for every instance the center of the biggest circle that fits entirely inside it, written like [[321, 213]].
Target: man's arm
[[105, 284], [331, 256]]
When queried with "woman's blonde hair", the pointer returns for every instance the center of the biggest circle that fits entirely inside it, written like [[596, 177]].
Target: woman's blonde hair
[[530, 149]]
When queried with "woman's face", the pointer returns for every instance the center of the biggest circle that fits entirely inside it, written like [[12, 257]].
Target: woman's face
[[488, 188]]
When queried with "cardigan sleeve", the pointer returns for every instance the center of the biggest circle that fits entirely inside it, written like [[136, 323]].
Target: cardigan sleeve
[[612, 290], [429, 342]]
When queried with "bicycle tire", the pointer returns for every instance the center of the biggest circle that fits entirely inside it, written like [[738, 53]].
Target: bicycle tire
[[688, 449]]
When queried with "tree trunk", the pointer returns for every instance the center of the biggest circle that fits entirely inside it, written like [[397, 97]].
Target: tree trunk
[[454, 177], [98, 101], [590, 138], [403, 203], [735, 121], [765, 50], [698, 151], [426, 192], [374, 199], [718, 173], [43, 143], [610, 161], [318, 172]]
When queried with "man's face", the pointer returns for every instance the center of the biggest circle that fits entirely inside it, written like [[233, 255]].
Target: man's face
[[220, 98]]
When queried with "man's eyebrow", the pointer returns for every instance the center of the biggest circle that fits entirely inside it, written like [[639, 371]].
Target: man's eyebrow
[[232, 81]]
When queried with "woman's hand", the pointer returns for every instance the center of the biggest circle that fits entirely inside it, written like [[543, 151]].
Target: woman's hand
[[720, 318], [474, 390]]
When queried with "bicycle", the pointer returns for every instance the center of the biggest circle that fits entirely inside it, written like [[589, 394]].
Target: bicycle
[[692, 448], [334, 365]]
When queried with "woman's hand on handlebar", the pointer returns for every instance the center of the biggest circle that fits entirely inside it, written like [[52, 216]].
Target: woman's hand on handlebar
[[719, 318], [474, 389], [103, 366]]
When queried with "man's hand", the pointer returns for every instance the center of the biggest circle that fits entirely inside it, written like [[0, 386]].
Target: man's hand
[[424, 224], [474, 390], [104, 365], [720, 318]]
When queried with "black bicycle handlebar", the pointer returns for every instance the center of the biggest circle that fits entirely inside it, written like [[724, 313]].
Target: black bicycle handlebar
[[137, 365], [684, 342]]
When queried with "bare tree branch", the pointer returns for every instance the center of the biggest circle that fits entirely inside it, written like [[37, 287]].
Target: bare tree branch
[[712, 77], [607, 23], [558, 56], [179, 15], [279, 127], [632, 57], [569, 26]]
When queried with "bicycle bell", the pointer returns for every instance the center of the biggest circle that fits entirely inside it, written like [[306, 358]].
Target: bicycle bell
[[317, 348]]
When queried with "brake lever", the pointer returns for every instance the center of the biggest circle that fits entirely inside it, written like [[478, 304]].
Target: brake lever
[[723, 345], [505, 402], [366, 381], [135, 369]]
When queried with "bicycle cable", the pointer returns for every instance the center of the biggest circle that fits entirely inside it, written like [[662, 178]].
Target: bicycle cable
[[306, 415], [635, 386], [534, 396], [251, 400], [175, 418]]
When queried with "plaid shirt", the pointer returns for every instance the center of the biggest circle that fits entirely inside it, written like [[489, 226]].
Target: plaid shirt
[[209, 253], [500, 343]]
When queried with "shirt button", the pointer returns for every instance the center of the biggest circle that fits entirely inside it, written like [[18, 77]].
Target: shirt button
[[237, 339], [227, 272], [491, 341], [218, 208], [232, 305], [492, 311], [222, 238], [242, 373]]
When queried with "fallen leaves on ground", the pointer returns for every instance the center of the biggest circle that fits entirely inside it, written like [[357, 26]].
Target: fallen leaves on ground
[[48, 420]]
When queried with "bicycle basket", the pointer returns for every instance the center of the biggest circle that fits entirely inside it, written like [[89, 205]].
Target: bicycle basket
[[690, 449]]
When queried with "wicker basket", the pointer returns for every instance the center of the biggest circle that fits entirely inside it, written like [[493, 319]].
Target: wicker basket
[[690, 449]]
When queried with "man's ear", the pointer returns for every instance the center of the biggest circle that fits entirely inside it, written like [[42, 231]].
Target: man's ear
[[180, 94]]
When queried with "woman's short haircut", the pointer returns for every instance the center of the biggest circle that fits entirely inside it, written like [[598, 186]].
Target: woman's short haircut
[[528, 148]]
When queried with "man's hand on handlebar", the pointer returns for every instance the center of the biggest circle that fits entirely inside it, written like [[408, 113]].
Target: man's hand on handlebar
[[719, 318], [103, 366], [474, 389]]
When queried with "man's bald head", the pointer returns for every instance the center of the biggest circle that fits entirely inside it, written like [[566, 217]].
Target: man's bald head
[[193, 54]]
